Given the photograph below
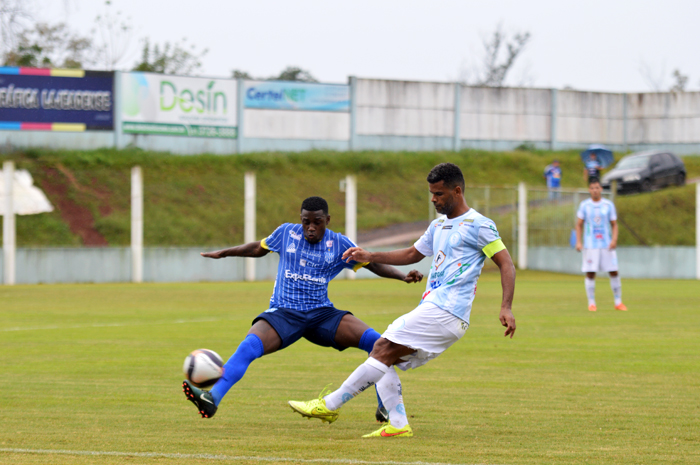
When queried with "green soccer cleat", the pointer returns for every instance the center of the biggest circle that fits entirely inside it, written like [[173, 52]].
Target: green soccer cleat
[[201, 398], [315, 409], [388, 431]]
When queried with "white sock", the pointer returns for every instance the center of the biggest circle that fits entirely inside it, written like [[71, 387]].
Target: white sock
[[590, 290], [389, 388], [364, 376], [616, 286]]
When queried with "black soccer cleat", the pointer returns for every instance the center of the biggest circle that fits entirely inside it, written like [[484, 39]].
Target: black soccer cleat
[[381, 415], [201, 398]]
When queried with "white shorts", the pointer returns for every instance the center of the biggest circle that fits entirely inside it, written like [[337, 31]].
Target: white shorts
[[429, 330], [599, 260]]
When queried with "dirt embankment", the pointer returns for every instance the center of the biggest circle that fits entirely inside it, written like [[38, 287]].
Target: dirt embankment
[[58, 182]]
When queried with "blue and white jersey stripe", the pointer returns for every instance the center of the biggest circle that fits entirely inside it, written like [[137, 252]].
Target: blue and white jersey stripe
[[596, 218], [459, 247], [305, 269]]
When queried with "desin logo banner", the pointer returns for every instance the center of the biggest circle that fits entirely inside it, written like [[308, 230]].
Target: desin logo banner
[[285, 95], [178, 106]]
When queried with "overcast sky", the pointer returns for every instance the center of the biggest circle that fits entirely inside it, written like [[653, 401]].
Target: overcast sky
[[586, 45]]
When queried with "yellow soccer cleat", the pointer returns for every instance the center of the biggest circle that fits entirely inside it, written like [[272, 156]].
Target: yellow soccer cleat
[[315, 409], [388, 431]]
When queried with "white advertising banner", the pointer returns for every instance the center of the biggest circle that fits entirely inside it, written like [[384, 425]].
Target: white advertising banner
[[178, 105]]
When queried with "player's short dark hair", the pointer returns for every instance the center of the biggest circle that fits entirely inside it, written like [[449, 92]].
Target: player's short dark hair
[[314, 204], [593, 181], [448, 173]]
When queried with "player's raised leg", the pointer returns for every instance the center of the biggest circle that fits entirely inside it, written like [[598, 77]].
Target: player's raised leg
[[347, 334], [261, 339]]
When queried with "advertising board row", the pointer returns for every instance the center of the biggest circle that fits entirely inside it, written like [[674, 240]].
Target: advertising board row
[[77, 100]]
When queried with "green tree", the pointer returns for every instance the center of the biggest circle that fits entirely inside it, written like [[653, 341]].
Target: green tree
[[294, 73], [51, 46], [170, 58]]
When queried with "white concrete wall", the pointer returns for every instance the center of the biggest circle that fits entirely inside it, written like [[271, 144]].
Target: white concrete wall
[[287, 124], [505, 114], [664, 118], [402, 108], [590, 117]]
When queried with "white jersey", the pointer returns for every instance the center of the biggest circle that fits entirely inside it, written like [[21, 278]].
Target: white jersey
[[459, 247], [596, 218]]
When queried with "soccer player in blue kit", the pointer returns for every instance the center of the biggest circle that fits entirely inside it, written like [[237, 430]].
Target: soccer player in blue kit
[[459, 245], [310, 257]]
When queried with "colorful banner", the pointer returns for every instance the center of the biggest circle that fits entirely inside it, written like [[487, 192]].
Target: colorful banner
[[286, 95], [178, 106], [41, 99]]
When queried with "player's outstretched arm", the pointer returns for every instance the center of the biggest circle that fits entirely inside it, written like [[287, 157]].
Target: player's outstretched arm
[[388, 271], [251, 249], [505, 265], [406, 256]]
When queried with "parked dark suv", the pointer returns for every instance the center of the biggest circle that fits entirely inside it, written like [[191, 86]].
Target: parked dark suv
[[646, 171]]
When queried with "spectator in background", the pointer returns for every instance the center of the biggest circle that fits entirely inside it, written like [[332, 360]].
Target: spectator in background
[[591, 171], [552, 173]]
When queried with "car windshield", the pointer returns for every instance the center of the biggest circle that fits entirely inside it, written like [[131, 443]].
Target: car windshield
[[628, 163]]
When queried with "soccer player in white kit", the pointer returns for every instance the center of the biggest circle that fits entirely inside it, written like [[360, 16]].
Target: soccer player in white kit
[[459, 245], [596, 235]]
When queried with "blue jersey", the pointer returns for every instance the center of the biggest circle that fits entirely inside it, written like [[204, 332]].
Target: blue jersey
[[459, 246], [305, 269], [596, 218], [553, 175]]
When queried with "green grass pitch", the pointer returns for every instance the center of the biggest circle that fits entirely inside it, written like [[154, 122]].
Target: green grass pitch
[[97, 368]]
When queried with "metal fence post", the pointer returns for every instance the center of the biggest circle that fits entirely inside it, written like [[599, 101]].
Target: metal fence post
[[456, 141], [697, 230], [249, 222], [353, 114], [117, 121], [136, 225], [351, 213], [8, 227], [553, 122], [240, 115], [624, 122], [522, 226]]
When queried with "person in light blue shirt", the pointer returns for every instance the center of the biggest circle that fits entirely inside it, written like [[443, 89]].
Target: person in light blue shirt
[[458, 244], [552, 174], [592, 168], [596, 236], [310, 257]]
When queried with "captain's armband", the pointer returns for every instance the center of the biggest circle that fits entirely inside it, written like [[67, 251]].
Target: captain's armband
[[494, 247]]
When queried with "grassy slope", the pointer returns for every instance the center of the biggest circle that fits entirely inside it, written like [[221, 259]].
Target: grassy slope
[[198, 200], [98, 368]]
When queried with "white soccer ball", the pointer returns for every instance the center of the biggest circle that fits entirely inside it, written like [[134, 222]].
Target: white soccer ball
[[203, 367]]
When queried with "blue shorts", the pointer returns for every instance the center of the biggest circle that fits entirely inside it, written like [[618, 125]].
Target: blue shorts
[[317, 326]]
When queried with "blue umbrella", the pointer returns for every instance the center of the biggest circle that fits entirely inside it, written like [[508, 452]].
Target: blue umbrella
[[602, 153]]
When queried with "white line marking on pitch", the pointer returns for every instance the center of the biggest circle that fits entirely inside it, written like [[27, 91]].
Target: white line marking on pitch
[[231, 458], [114, 325]]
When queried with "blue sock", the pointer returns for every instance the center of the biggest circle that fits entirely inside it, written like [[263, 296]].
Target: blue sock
[[369, 337], [248, 350]]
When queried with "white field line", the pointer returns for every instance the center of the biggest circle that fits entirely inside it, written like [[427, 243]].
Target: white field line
[[229, 458], [114, 325]]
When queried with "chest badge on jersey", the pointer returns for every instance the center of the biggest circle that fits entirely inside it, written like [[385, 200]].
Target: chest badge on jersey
[[455, 238], [329, 257], [439, 259], [295, 236], [329, 243]]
